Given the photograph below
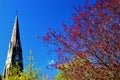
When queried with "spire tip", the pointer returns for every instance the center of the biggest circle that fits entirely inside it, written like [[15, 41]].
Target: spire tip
[[17, 12]]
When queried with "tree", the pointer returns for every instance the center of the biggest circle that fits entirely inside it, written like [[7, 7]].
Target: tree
[[75, 70], [61, 76], [93, 36], [29, 73]]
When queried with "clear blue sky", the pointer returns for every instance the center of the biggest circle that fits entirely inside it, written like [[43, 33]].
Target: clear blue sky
[[35, 16]]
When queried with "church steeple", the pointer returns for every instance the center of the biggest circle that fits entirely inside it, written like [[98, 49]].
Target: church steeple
[[15, 50], [15, 39]]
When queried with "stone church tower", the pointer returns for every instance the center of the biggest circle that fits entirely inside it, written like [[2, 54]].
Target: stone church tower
[[15, 51]]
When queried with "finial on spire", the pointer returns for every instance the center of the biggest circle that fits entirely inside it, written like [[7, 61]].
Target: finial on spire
[[17, 12]]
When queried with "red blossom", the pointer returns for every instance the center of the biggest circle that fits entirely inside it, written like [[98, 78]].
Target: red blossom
[[90, 45]]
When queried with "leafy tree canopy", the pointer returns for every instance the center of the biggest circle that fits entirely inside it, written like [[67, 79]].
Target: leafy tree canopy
[[94, 37]]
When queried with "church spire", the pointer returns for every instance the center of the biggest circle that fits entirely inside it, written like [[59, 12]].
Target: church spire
[[15, 50], [15, 39]]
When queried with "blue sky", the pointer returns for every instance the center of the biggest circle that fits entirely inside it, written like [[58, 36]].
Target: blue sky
[[35, 17]]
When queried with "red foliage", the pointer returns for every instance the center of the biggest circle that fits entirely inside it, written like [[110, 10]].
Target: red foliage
[[94, 36]]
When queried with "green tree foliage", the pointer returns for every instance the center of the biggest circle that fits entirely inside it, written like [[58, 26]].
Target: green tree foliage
[[29, 73], [69, 70], [61, 76]]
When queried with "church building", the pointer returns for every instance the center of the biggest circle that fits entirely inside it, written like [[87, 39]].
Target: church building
[[14, 52]]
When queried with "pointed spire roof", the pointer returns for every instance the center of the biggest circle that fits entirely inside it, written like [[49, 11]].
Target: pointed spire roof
[[15, 39], [14, 51]]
